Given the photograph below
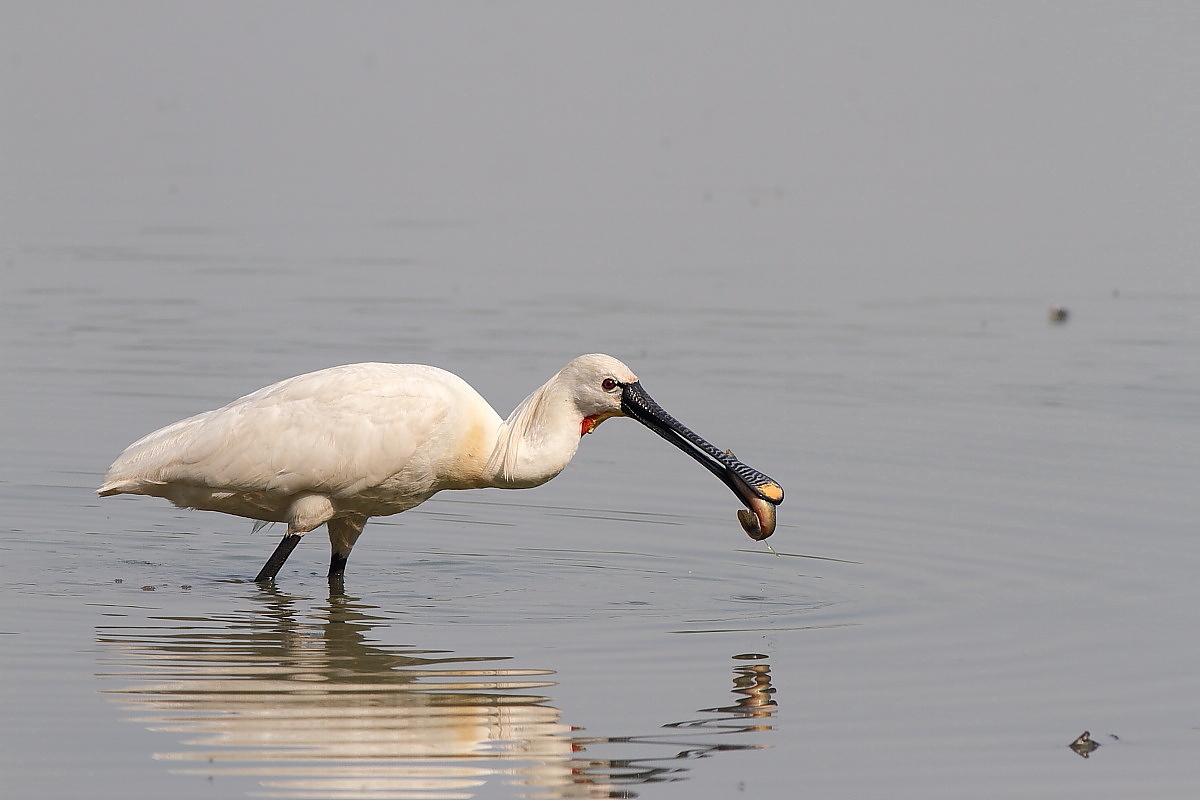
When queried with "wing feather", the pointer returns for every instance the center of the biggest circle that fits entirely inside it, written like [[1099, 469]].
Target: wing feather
[[340, 431]]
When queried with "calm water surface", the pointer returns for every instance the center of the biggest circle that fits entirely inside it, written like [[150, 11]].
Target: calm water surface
[[989, 543]]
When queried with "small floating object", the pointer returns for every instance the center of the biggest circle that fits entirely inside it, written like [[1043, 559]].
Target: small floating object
[[1084, 745], [1058, 315]]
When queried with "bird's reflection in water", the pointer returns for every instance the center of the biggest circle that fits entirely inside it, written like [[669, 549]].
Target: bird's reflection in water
[[297, 697]]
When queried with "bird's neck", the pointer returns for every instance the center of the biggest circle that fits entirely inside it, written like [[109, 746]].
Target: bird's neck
[[538, 439]]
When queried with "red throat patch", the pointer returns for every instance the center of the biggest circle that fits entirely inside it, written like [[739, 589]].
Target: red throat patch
[[590, 424]]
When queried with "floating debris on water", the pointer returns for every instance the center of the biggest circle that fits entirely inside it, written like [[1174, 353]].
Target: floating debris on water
[[1084, 744]]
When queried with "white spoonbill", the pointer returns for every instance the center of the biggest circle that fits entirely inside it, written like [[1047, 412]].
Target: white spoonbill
[[340, 445]]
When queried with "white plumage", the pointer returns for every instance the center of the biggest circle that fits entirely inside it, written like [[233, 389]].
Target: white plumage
[[347, 443], [351, 432]]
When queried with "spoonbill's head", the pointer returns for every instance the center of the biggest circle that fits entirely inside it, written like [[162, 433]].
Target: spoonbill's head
[[597, 385], [603, 387]]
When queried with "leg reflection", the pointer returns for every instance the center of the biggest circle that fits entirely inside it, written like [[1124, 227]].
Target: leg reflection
[[297, 696]]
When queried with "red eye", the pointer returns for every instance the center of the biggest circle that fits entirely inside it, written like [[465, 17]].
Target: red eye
[[608, 384]]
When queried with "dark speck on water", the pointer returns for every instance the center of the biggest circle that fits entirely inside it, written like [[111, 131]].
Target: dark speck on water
[[1084, 745]]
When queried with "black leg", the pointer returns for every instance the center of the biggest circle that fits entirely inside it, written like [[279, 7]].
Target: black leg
[[343, 533], [285, 548]]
